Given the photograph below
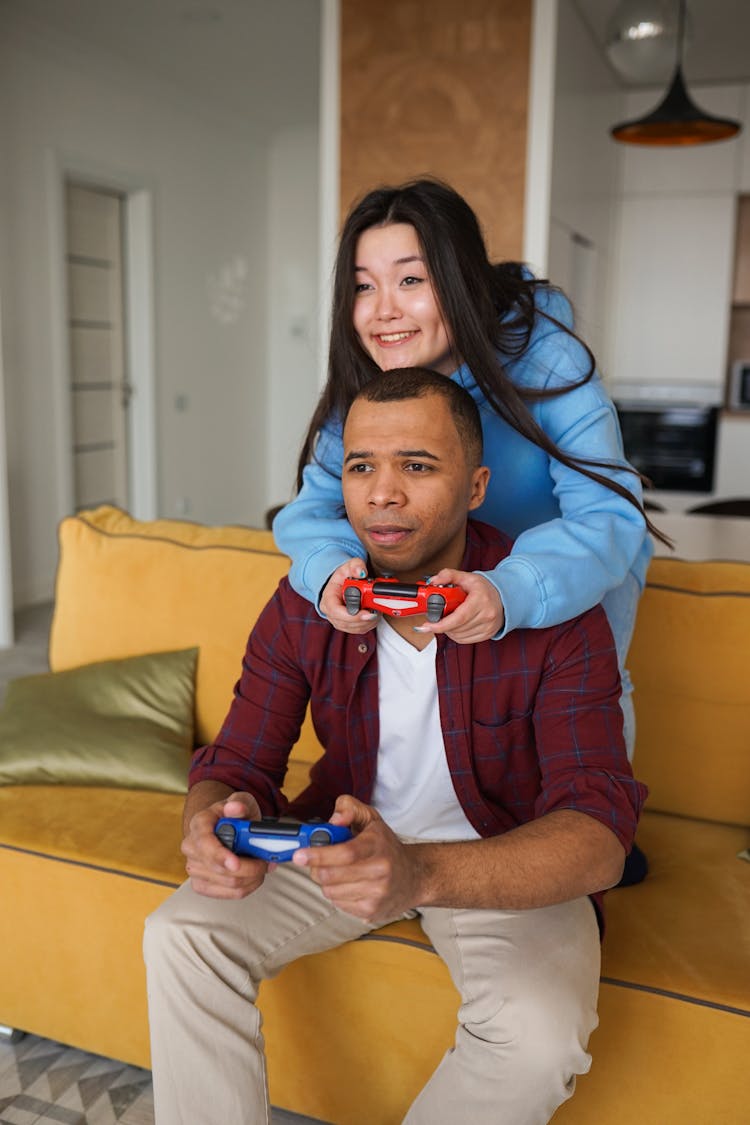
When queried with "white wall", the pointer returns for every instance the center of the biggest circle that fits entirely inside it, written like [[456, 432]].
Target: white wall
[[649, 263], [671, 297], [293, 295], [211, 176], [6, 577], [6, 580], [585, 176]]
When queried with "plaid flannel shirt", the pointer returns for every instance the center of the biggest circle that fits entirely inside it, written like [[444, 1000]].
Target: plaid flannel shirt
[[531, 722]]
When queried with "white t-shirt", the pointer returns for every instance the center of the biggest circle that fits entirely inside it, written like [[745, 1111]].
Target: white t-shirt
[[413, 789]]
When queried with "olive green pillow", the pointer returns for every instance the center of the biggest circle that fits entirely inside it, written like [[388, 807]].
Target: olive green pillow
[[124, 724]]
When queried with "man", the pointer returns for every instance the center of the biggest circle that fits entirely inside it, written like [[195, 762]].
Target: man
[[487, 787]]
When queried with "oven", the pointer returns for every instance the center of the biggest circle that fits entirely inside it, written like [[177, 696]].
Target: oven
[[669, 433]]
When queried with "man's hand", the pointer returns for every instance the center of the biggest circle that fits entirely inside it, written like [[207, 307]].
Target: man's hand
[[213, 869], [332, 600], [372, 876], [478, 618]]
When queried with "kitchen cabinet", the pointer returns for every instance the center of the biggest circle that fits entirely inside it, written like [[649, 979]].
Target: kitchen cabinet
[[733, 456], [739, 321], [671, 289], [741, 286]]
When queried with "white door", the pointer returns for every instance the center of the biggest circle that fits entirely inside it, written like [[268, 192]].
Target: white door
[[99, 387]]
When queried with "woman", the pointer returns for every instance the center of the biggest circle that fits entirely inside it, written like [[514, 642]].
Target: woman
[[414, 286]]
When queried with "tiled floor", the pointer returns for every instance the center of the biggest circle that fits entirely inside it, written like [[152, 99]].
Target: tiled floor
[[41, 1081], [46, 1083]]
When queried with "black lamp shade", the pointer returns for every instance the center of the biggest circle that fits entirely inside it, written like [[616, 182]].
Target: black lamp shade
[[677, 120]]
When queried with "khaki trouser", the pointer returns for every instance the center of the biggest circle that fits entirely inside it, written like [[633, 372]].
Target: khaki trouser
[[528, 982]]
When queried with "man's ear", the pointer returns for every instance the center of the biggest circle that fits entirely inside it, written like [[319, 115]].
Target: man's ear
[[480, 478]]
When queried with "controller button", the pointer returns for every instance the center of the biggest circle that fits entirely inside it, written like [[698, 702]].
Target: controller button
[[319, 838], [226, 834], [435, 607]]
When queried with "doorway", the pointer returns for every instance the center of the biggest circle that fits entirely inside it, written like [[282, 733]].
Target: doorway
[[100, 390]]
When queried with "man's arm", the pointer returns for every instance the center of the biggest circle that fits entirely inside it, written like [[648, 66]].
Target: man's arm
[[251, 750], [558, 857], [561, 856]]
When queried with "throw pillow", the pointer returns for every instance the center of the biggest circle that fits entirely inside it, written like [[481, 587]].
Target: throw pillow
[[120, 723]]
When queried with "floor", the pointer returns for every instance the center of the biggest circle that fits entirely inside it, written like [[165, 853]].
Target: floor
[[46, 1083], [29, 654], [41, 1081]]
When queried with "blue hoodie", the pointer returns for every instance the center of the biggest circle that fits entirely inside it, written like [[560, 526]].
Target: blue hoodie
[[575, 540]]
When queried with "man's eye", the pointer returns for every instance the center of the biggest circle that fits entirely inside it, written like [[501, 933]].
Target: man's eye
[[359, 468], [417, 467]]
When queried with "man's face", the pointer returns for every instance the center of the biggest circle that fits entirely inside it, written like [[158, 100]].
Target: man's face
[[407, 486]]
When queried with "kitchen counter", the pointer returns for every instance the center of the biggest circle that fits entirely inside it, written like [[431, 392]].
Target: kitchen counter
[[703, 537]]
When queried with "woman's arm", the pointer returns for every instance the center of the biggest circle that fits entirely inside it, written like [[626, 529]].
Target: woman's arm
[[313, 529], [563, 566], [558, 568]]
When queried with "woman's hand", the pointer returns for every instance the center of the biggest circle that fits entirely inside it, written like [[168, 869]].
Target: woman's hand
[[479, 618], [332, 600]]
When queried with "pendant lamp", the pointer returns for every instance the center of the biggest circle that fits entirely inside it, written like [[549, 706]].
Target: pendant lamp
[[677, 120]]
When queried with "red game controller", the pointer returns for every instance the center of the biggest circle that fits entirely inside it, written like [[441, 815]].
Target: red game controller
[[401, 599]]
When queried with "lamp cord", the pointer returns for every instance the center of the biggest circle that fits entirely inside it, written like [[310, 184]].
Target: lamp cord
[[681, 5]]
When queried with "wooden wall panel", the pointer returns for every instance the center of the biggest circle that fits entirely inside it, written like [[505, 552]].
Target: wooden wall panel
[[439, 87]]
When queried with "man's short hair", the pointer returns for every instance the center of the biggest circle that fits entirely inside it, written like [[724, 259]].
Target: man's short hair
[[417, 382]]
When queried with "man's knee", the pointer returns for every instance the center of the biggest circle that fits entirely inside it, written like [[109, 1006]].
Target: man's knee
[[188, 946], [555, 1041], [543, 1039]]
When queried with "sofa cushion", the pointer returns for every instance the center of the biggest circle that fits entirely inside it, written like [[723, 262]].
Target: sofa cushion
[[117, 723], [89, 830], [165, 584], [691, 694], [683, 931]]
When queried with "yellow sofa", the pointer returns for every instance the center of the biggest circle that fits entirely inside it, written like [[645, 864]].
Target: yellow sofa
[[80, 868]]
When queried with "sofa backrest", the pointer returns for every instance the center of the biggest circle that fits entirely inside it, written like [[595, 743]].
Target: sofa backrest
[[126, 587], [690, 663]]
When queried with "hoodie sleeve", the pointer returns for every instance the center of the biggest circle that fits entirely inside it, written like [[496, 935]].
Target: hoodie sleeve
[[562, 567], [313, 529]]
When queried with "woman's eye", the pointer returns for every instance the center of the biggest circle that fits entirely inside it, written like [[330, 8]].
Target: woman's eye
[[362, 286], [410, 280]]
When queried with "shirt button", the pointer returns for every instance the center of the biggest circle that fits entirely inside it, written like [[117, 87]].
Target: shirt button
[[362, 647]]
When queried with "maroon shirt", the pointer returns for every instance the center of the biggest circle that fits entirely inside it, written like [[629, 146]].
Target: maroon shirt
[[531, 722]]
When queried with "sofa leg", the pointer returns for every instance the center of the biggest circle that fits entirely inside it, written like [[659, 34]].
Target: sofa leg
[[10, 1034]]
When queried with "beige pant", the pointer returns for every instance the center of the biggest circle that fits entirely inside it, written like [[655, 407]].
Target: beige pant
[[528, 982]]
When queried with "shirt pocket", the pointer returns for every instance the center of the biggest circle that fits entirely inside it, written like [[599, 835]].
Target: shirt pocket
[[506, 765]]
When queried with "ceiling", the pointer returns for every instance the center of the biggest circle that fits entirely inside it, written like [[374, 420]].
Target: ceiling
[[257, 58], [263, 54], [718, 47]]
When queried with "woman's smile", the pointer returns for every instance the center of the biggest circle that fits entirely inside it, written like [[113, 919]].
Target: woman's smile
[[396, 313]]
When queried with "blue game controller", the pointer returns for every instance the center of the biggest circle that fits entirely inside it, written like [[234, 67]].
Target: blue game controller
[[276, 839]]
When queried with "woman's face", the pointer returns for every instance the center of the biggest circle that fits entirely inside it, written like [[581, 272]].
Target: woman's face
[[396, 312]]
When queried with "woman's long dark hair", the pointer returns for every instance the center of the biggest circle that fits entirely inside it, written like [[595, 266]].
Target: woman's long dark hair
[[488, 309]]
